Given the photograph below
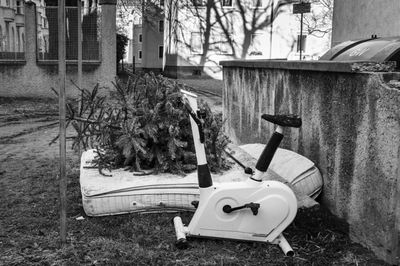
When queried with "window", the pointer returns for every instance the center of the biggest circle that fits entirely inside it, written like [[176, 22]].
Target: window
[[140, 54], [20, 9], [226, 2], [48, 50], [140, 38], [18, 43], [45, 45], [23, 42], [40, 44], [12, 44], [7, 39], [160, 51], [196, 44], [301, 43], [161, 26]]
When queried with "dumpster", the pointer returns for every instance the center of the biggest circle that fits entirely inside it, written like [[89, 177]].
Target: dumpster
[[370, 50]]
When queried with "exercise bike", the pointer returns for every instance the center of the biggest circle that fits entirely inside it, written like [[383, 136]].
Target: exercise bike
[[252, 210]]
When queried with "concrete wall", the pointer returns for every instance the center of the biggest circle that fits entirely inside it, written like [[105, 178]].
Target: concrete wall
[[351, 130], [359, 19], [32, 78]]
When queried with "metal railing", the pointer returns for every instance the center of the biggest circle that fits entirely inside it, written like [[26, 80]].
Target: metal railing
[[47, 37]]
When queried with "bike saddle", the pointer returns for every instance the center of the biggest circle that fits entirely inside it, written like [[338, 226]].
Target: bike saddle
[[283, 120]]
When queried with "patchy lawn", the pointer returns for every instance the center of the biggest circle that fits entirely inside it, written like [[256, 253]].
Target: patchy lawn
[[29, 218]]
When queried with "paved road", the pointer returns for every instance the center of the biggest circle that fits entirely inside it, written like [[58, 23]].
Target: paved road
[[212, 86], [27, 127]]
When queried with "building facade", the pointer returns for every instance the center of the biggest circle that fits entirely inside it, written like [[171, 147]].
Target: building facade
[[12, 28], [360, 19], [198, 34], [12, 31], [148, 37], [34, 72]]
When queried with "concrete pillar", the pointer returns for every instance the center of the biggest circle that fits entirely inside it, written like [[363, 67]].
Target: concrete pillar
[[30, 33], [108, 40]]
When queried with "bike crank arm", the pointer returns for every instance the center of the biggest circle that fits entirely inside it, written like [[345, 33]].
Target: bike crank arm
[[252, 206]]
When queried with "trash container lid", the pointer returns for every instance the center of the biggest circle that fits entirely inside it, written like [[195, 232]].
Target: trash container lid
[[374, 50]]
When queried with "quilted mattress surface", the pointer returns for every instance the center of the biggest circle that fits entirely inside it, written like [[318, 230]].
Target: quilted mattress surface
[[124, 192]]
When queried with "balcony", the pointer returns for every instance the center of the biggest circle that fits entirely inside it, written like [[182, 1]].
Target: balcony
[[9, 14]]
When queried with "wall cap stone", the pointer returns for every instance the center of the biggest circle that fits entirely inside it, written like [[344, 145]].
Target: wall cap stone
[[325, 66]]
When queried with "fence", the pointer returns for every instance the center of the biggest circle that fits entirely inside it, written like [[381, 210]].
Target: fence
[[32, 77], [12, 33], [47, 34]]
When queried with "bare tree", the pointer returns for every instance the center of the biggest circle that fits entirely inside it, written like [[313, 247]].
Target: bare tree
[[149, 10], [319, 21], [124, 15], [215, 20], [224, 27]]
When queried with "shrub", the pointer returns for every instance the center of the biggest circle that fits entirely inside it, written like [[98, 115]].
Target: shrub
[[122, 42], [143, 124]]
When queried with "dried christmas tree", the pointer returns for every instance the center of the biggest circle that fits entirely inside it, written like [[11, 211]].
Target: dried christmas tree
[[142, 125]]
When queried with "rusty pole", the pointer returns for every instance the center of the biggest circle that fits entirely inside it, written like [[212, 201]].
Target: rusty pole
[[301, 35], [62, 118], [79, 3]]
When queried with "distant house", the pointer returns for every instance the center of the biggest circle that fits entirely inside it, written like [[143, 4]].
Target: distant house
[[12, 28], [29, 46], [148, 37], [195, 35]]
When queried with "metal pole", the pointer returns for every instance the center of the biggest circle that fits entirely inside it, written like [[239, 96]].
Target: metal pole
[[62, 111], [79, 4], [301, 35], [271, 30], [79, 11]]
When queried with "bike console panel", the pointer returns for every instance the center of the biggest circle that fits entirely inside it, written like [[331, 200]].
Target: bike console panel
[[283, 120]]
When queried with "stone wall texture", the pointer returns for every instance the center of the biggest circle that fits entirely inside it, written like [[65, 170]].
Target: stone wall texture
[[351, 130]]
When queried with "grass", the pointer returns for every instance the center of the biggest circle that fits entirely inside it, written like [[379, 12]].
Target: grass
[[30, 233], [29, 228]]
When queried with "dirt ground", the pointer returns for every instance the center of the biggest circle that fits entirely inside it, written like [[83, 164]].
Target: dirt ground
[[29, 218]]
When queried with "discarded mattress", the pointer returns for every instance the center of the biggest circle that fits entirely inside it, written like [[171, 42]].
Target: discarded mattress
[[124, 192], [294, 168]]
